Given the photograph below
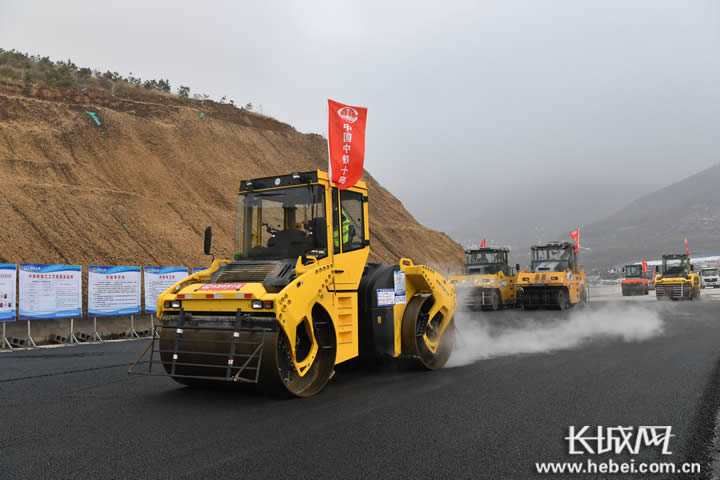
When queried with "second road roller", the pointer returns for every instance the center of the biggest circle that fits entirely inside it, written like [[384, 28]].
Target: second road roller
[[553, 279], [299, 296]]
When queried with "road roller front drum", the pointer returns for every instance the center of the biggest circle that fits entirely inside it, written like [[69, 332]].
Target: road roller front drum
[[416, 325], [247, 357]]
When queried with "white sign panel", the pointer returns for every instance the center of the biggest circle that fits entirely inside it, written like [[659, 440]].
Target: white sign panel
[[158, 280], [385, 297], [50, 291], [399, 280], [113, 290], [8, 280]]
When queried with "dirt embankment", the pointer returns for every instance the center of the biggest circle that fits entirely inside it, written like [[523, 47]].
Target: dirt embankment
[[139, 188]]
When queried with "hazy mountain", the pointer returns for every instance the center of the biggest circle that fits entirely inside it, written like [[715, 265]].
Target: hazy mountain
[[657, 223], [543, 211]]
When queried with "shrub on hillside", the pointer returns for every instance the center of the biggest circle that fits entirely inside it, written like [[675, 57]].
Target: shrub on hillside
[[9, 73], [60, 77]]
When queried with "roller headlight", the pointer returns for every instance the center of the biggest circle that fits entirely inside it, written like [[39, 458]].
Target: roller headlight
[[257, 304]]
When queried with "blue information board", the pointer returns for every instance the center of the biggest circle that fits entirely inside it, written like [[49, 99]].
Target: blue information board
[[50, 291], [8, 296]]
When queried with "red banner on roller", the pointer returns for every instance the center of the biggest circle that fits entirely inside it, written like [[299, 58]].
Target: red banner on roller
[[644, 265], [346, 140], [576, 236], [687, 250], [482, 244]]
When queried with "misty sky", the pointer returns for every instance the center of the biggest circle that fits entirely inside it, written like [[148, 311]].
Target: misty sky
[[503, 119]]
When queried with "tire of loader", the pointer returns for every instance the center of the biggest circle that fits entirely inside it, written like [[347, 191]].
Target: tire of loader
[[495, 300], [414, 322], [583, 298], [694, 293], [563, 300]]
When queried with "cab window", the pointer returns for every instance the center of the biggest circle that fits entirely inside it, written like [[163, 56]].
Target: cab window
[[335, 217], [352, 221]]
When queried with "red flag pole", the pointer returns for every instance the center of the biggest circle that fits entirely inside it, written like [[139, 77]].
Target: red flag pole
[[329, 157], [575, 235]]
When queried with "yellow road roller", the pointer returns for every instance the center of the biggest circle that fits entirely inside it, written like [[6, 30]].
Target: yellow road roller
[[299, 296], [553, 279], [488, 282], [677, 280]]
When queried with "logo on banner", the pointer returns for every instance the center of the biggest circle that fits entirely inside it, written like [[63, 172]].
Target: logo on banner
[[348, 114]]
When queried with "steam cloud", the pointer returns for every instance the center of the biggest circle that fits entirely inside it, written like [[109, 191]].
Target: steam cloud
[[477, 340]]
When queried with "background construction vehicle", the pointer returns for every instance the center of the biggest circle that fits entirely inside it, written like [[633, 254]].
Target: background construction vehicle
[[300, 297], [676, 280], [709, 277], [553, 278], [635, 282], [488, 282]]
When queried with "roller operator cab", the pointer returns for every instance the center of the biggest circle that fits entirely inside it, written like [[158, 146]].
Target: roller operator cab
[[553, 279], [488, 281], [300, 297], [635, 282], [676, 280]]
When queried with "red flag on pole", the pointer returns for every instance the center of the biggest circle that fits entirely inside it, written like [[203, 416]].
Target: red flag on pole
[[576, 236], [346, 142], [644, 265], [687, 250], [482, 244]]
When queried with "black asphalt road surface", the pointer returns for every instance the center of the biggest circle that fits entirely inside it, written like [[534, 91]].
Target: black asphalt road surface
[[74, 412]]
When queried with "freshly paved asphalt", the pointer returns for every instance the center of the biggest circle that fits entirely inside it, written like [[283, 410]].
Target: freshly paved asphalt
[[73, 412]]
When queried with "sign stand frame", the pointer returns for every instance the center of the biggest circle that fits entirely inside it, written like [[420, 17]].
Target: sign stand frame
[[96, 335], [153, 333], [5, 341], [30, 340], [72, 338], [133, 332]]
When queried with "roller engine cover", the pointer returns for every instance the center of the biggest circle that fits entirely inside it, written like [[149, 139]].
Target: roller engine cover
[[376, 323]]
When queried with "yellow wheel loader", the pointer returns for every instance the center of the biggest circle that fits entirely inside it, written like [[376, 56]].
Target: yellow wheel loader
[[488, 282], [676, 280], [553, 278], [299, 297]]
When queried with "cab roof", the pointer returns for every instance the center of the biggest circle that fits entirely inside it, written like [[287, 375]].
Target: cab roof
[[488, 250], [553, 245], [291, 179]]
